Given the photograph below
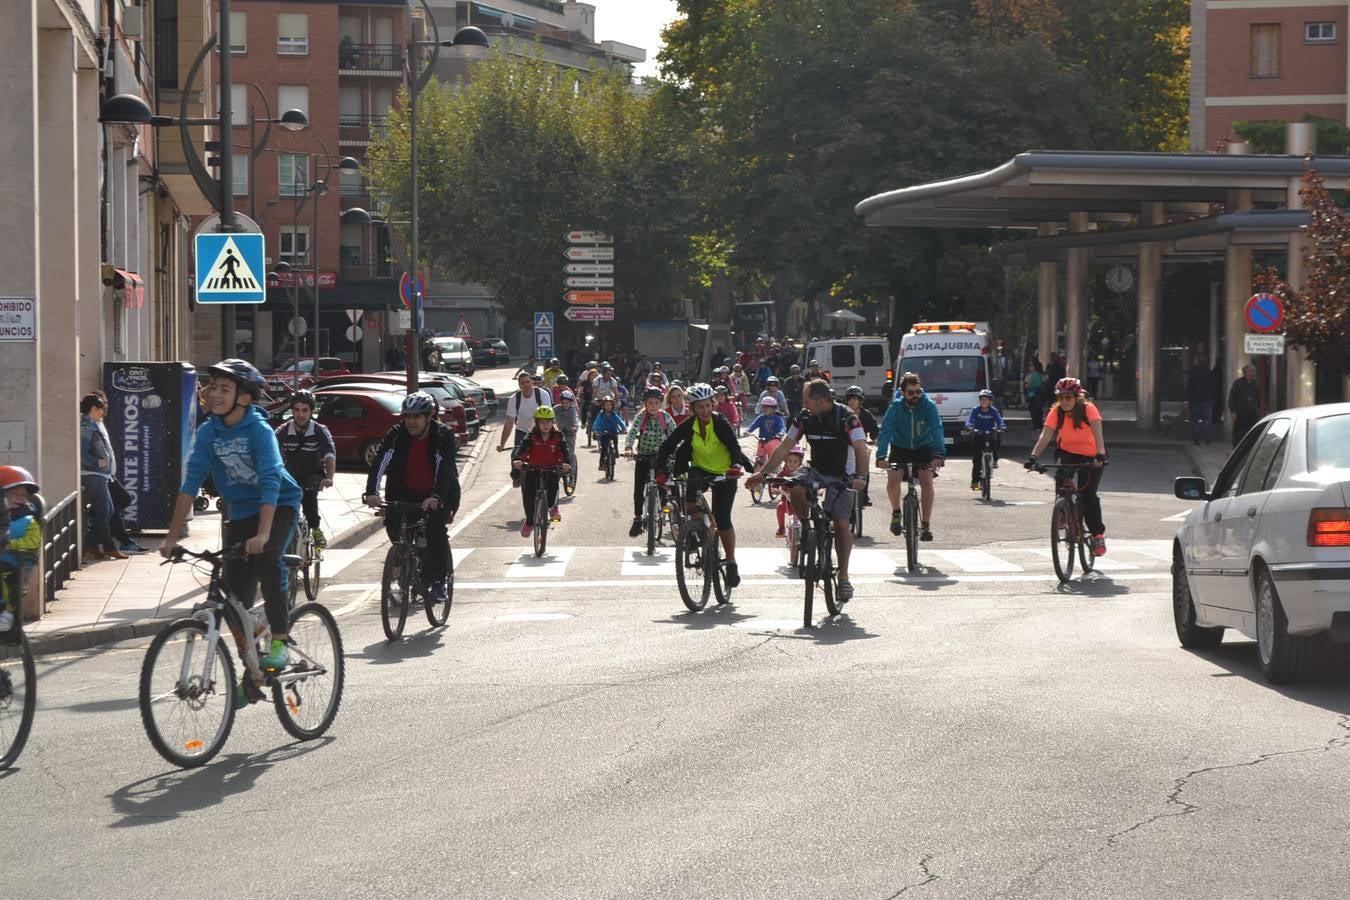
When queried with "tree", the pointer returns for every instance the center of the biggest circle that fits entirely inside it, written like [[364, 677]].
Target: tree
[[1268, 135]]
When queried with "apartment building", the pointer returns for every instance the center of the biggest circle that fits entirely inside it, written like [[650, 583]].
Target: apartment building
[[1266, 59]]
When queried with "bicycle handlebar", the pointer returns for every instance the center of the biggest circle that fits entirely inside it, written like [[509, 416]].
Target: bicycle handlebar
[[215, 557]]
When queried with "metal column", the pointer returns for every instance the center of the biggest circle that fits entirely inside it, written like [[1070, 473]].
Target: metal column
[[1076, 288], [1237, 287], [1149, 307], [1047, 301], [1300, 375]]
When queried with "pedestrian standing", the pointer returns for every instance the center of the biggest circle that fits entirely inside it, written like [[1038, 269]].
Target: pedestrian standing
[[1094, 375], [1034, 385], [97, 467], [1199, 403], [1244, 402]]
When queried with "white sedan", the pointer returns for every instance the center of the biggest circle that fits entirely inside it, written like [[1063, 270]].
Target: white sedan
[[1267, 551]]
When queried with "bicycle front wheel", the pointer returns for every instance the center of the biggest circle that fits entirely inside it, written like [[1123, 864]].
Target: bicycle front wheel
[[1086, 558], [569, 484], [18, 696], [855, 519], [689, 565], [395, 592], [911, 517], [310, 573], [806, 551], [609, 465], [540, 533], [986, 476], [308, 691], [652, 521], [757, 493], [437, 611], [186, 700], [1061, 539], [828, 573]]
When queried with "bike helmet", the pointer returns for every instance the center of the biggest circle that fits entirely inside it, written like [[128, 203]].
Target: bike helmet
[[737, 367], [769, 403], [609, 400], [987, 393], [699, 392], [242, 372], [304, 396], [16, 476], [815, 364], [544, 412], [656, 365], [796, 370], [720, 389], [1068, 386], [854, 391], [561, 379], [772, 379], [419, 403], [567, 395], [798, 450], [652, 393], [606, 367], [555, 361]]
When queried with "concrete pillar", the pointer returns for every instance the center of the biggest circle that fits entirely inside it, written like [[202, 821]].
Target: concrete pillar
[[1237, 288], [89, 284], [1300, 374], [1047, 300], [1149, 305], [1214, 310], [1076, 290]]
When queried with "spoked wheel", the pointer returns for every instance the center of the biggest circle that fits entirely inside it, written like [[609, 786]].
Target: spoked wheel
[[911, 516], [308, 691], [807, 552], [438, 611], [569, 483], [712, 571], [986, 477], [757, 492], [1086, 558], [540, 533], [293, 577], [201, 503], [652, 521], [186, 700], [689, 565], [793, 535], [855, 517], [828, 573], [18, 696], [609, 465], [311, 574], [1061, 539], [395, 592]]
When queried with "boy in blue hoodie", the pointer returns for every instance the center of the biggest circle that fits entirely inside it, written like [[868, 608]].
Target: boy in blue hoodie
[[985, 422], [608, 425], [237, 446]]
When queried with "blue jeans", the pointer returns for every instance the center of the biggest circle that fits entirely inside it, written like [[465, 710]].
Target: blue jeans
[[97, 495], [1200, 420]]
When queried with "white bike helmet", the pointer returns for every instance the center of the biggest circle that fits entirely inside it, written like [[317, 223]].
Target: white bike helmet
[[769, 403], [699, 392], [419, 403]]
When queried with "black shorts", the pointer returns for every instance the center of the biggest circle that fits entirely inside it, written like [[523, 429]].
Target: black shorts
[[919, 458]]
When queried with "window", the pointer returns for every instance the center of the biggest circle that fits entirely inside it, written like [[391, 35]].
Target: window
[[293, 242], [350, 105], [1329, 443], [351, 183], [240, 174], [1319, 32], [1225, 484], [238, 104], [294, 96], [293, 177], [872, 356], [841, 356], [1265, 51], [293, 34], [947, 374], [238, 32], [1270, 450]]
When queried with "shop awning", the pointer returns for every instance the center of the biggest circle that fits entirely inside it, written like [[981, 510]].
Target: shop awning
[[132, 288]]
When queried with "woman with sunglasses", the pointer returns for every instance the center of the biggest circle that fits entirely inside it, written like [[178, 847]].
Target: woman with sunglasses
[[1075, 425]]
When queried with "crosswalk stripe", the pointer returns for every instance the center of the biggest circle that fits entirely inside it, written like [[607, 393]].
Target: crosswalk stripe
[[553, 564], [973, 560], [637, 564], [1102, 562]]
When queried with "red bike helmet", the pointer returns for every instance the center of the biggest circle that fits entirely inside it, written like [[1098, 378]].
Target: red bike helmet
[[17, 476], [1069, 386]]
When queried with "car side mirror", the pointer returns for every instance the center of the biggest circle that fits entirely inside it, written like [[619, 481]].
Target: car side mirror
[[1189, 487]]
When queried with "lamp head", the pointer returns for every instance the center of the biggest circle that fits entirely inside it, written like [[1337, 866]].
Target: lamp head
[[293, 120], [356, 216], [127, 109], [471, 42], [349, 164]]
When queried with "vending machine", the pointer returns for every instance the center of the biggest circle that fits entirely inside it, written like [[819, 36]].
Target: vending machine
[[152, 416]]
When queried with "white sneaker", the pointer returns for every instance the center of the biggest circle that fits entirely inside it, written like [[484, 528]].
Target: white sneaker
[[6, 620]]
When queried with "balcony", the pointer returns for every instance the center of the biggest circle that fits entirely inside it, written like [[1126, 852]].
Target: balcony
[[370, 59], [357, 265], [358, 131]]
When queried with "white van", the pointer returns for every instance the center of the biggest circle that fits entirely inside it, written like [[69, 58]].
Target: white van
[[954, 360], [854, 360]]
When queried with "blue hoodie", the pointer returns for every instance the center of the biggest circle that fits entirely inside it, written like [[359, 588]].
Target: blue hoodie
[[916, 429], [244, 462], [979, 420]]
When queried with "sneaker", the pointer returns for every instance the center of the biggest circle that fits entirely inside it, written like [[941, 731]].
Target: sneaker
[[131, 547], [843, 591], [241, 695], [925, 533], [636, 528], [439, 592], [277, 657], [526, 529], [897, 523], [974, 485], [782, 532], [995, 464], [320, 542], [554, 515], [1099, 545], [6, 620], [733, 574]]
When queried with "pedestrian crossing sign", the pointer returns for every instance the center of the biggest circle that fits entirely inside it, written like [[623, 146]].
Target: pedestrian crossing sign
[[230, 268]]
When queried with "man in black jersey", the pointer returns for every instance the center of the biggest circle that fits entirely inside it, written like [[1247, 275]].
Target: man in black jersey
[[831, 429]]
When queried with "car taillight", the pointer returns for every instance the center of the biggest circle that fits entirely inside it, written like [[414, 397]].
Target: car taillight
[[890, 374], [1329, 526]]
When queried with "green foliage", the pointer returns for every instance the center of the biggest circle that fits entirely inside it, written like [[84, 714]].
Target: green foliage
[[1267, 135]]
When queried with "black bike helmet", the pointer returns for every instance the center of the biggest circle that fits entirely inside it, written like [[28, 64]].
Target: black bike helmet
[[305, 396], [652, 393], [244, 374], [855, 391]]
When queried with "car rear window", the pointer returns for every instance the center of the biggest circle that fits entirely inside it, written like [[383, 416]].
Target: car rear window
[[871, 355], [841, 356], [1329, 443], [391, 402]]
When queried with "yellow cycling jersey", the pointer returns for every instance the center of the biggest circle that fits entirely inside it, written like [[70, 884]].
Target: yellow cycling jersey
[[707, 452]]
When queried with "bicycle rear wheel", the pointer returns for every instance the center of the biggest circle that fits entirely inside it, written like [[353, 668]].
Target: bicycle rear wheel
[[609, 464], [828, 573], [652, 521], [540, 519], [439, 611], [806, 551], [308, 691], [18, 696], [911, 517], [1061, 539], [395, 592], [187, 702], [689, 564]]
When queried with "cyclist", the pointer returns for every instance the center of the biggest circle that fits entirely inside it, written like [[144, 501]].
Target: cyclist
[[552, 372], [237, 446], [417, 462], [520, 407], [543, 448], [308, 451], [584, 391], [21, 540], [738, 385], [705, 445], [789, 470], [676, 403], [830, 428], [608, 425], [985, 422], [853, 398], [771, 390], [1075, 425], [568, 420], [560, 384], [725, 407], [912, 432], [792, 390], [814, 371], [657, 377], [768, 427], [650, 428]]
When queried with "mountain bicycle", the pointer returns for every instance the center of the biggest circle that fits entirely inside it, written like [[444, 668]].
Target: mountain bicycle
[[187, 693], [311, 560], [699, 566], [764, 449], [540, 520], [1068, 532], [657, 509], [18, 690], [403, 580], [983, 442], [855, 516], [609, 451], [815, 553], [910, 510]]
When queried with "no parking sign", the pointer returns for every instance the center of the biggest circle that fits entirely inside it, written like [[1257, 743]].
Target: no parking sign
[[1264, 313]]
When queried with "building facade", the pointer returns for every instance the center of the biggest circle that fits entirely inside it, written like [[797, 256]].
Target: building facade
[[1266, 59]]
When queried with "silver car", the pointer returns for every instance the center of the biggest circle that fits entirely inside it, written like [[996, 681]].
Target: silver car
[[1267, 550]]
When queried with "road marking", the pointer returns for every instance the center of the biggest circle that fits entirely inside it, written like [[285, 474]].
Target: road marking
[[334, 561], [533, 617], [974, 560], [1101, 562], [551, 565], [1179, 517], [462, 522], [899, 580], [1153, 549], [355, 586], [636, 562]]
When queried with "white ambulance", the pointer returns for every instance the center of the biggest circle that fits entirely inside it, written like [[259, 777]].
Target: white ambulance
[[955, 362]]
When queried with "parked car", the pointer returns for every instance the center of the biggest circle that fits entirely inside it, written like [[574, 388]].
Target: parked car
[[463, 415], [455, 354], [485, 397], [296, 374], [490, 351], [1267, 550], [359, 419]]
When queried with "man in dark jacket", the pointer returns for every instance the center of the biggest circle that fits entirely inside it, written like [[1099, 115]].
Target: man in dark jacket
[[418, 456], [1244, 402], [1199, 399]]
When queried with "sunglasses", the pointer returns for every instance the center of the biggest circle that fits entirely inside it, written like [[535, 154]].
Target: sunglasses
[[917, 393]]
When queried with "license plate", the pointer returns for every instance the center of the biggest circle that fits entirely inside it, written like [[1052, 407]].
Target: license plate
[[949, 441]]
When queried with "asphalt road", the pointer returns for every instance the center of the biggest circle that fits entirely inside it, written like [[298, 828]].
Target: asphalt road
[[974, 730]]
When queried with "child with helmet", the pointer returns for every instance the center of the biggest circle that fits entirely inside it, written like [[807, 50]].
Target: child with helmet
[[544, 449], [23, 510]]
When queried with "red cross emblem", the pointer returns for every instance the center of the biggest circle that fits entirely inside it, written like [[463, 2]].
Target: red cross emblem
[[939, 398]]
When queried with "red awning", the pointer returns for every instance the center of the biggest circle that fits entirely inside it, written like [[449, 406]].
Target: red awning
[[132, 286]]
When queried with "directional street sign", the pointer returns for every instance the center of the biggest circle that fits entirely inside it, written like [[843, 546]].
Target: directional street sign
[[594, 298], [591, 253], [588, 237], [230, 268], [589, 314], [1264, 313], [576, 281], [543, 321], [589, 268]]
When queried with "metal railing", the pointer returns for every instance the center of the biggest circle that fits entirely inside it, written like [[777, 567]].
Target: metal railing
[[360, 129], [60, 545], [384, 58]]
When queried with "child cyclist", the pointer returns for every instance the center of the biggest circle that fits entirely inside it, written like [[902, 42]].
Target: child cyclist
[[650, 428], [567, 419], [725, 407], [986, 424], [769, 428], [23, 534], [237, 447], [543, 448], [854, 398], [310, 456], [790, 467], [607, 426]]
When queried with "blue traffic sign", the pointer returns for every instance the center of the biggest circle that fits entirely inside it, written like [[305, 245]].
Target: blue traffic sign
[[543, 344], [1264, 313], [543, 321], [230, 268]]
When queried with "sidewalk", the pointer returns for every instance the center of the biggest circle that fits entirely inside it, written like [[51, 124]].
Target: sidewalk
[[114, 600]]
